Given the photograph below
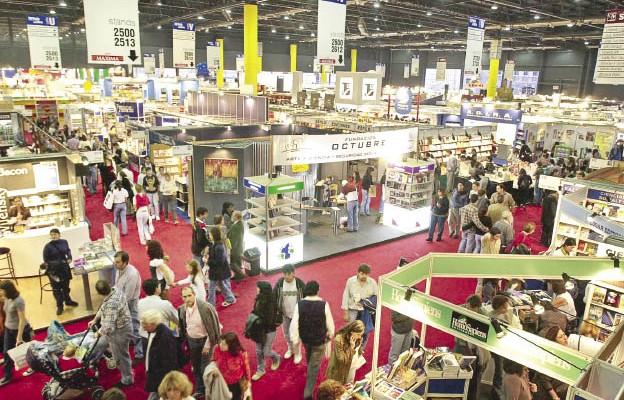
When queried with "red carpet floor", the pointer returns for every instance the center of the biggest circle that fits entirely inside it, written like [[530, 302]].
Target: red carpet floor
[[289, 379]]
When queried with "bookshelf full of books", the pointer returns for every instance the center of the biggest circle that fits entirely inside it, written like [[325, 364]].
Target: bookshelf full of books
[[606, 308], [438, 146], [410, 184], [587, 239]]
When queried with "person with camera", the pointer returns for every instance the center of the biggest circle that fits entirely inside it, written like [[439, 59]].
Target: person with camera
[[56, 260]]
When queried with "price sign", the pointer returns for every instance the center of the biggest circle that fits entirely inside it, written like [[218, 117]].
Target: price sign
[[184, 44], [43, 41], [113, 35], [330, 43]]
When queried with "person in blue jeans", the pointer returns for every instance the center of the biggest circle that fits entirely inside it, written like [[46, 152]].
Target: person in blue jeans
[[367, 182], [439, 213], [219, 272], [350, 192]]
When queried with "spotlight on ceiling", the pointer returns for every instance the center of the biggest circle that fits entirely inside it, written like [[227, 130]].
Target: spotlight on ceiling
[[229, 26], [376, 4], [62, 4], [273, 30], [200, 17], [570, 24], [507, 28], [429, 13], [286, 17], [287, 37], [419, 25], [301, 27], [494, 7], [159, 27], [313, 34], [586, 43], [456, 31], [52, 12], [536, 16]]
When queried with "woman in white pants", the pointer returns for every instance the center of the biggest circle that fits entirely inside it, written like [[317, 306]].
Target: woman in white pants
[[141, 205]]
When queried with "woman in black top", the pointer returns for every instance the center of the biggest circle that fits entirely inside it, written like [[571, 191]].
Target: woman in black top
[[57, 258], [266, 308], [524, 186], [487, 222]]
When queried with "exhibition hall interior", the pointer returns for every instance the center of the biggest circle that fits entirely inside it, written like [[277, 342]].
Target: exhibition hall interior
[[312, 199]]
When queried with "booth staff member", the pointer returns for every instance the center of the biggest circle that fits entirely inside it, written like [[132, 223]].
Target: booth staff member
[[19, 212], [350, 192], [617, 152], [57, 257]]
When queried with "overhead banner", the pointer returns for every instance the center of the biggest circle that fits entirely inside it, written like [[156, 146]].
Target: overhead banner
[[493, 115], [113, 35], [184, 44], [415, 70], [474, 47], [149, 63], [403, 101], [213, 55], [43, 41], [441, 69], [313, 149], [610, 62], [129, 109], [330, 38]]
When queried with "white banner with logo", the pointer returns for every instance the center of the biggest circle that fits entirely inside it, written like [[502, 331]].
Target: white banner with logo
[[43, 41], [113, 35], [184, 44], [441, 69], [370, 89], [213, 55], [330, 39], [415, 69], [610, 61], [312, 149], [182, 150], [149, 63], [474, 47], [510, 67], [345, 88]]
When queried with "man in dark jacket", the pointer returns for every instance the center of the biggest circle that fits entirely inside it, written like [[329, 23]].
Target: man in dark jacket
[[288, 291], [439, 212], [549, 210], [57, 257], [401, 334], [236, 235], [199, 241], [160, 354]]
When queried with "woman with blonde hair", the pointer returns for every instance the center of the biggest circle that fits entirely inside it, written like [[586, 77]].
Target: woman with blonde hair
[[175, 386], [346, 355]]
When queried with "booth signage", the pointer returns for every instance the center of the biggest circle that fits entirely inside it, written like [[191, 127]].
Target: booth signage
[[493, 115], [213, 55], [183, 150], [300, 167], [474, 46], [312, 149], [149, 63], [415, 67], [291, 187], [403, 101], [184, 44], [599, 163], [469, 326], [43, 41], [608, 197], [141, 134], [113, 35], [610, 62], [4, 206], [256, 187], [330, 38], [548, 182], [441, 69], [132, 110], [369, 89], [94, 157], [609, 250]]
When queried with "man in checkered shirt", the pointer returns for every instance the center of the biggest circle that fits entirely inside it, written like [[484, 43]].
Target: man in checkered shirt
[[470, 216]]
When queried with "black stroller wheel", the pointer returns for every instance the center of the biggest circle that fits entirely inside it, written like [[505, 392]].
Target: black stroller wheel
[[97, 393]]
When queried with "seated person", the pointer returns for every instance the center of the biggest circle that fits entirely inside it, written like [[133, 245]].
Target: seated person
[[18, 213], [563, 299]]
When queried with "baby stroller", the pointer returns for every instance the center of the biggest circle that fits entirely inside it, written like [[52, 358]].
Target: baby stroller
[[67, 384]]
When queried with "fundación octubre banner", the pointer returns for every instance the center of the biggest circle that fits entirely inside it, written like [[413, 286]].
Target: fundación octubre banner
[[315, 149]]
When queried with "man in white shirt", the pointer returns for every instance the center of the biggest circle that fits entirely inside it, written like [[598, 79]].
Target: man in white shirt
[[129, 282], [288, 291], [358, 287], [152, 301], [312, 324]]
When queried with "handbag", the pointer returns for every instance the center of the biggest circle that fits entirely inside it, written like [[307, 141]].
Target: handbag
[[108, 201], [372, 191]]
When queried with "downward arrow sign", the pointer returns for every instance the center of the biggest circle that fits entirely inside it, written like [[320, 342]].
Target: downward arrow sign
[[133, 56], [340, 59]]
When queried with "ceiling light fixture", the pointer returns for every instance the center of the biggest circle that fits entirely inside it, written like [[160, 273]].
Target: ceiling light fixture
[[375, 19], [313, 34], [286, 17], [494, 7], [83, 30], [301, 27], [586, 43], [62, 4], [570, 24], [159, 3], [419, 25], [507, 28], [376, 4], [159, 27], [536, 16], [228, 11], [273, 30], [456, 31], [52, 12], [377, 29], [200, 17], [229, 26], [287, 37], [429, 13]]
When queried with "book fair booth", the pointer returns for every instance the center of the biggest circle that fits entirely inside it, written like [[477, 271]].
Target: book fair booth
[[428, 371]]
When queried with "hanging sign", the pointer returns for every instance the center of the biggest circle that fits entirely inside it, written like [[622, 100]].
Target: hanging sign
[[43, 41], [161, 61], [493, 115], [330, 39], [510, 67], [240, 63], [441, 69], [496, 48], [610, 62], [182, 150], [149, 63], [380, 68], [260, 49], [113, 35], [415, 70], [403, 101], [346, 88], [184, 44], [474, 47], [316, 66], [129, 109], [313, 149], [213, 55], [406, 71]]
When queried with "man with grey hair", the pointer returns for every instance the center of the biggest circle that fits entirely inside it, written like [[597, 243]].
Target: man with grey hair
[[236, 235], [160, 353], [115, 327], [129, 283]]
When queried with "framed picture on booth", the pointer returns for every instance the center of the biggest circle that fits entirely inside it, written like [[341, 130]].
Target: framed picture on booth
[[220, 175]]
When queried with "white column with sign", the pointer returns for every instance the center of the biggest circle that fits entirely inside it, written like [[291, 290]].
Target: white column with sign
[[149, 63], [184, 44], [213, 55], [474, 49], [330, 38], [415, 70], [113, 35], [508, 74], [441, 69], [610, 62], [43, 41]]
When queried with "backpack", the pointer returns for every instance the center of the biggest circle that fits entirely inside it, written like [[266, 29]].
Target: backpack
[[526, 183], [253, 328]]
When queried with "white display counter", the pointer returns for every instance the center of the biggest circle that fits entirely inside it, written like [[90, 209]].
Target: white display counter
[[27, 248], [279, 251]]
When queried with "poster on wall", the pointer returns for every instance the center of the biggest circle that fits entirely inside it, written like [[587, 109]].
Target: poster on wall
[[330, 38], [113, 35], [220, 175], [474, 47], [46, 176], [43, 41], [609, 64], [183, 44]]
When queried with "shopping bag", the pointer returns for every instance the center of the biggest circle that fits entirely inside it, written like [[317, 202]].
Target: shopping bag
[[18, 355], [150, 226], [372, 191], [328, 348], [108, 200]]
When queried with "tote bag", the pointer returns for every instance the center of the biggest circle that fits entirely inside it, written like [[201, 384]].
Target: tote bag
[[108, 200]]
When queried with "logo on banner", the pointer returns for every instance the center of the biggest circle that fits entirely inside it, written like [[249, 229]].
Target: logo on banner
[[286, 252], [369, 89], [403, 101], [13, 172], [477, 23], [346, 88], [469, 326]]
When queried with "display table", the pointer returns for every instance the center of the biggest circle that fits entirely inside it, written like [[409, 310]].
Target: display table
[[103, 264], [27, 248]]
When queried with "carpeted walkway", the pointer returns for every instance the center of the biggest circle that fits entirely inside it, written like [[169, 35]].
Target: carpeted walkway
[[289, 379]]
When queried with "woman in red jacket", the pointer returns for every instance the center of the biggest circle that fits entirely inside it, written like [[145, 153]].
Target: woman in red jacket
[[233, 363], [523, 238]]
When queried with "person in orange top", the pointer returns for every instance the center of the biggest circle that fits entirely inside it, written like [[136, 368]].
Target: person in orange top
[[233, 363]]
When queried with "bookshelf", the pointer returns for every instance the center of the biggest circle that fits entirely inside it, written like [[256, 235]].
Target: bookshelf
[[410, 184], [162, 157], [438, 146], [587, 240], [606, 307]]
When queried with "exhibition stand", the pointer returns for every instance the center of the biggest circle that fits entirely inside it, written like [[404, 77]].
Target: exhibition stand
[[397, 292]]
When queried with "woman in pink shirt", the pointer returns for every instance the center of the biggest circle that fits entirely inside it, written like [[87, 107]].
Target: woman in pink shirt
[[233, 364]]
